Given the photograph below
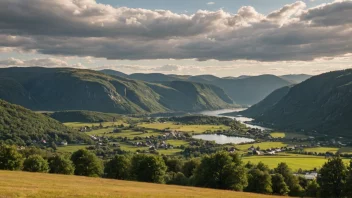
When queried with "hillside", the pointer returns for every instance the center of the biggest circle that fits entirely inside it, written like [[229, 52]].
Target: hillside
[[22, 126], [244, 90], [296, 78], [322, 104], [62, 89], [250, 90], [264, 105], [84, 116], [24, 184], [114, 73]]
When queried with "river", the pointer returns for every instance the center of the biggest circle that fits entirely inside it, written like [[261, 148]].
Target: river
[[239, 117]]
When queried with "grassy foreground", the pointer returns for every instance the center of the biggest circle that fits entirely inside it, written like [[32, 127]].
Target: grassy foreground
[[24, 184]]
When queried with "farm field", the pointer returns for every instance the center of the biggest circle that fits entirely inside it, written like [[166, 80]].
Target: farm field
[[287, 135], [39, 185], [295, 162], [70, 148], [262, 145], [322, 149], [77, 125], [184, 128]]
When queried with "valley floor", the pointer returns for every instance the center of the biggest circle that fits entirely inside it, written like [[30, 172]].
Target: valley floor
[[24, 184]]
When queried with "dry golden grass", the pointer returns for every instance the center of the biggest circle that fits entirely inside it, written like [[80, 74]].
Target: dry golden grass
[[24, 184]]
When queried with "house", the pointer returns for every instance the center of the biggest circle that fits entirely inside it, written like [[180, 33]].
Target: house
[[64, 143]]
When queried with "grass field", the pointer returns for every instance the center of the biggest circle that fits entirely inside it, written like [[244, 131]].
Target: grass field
[[184, 128], [295, 162], [70, 148], [78, 125], [287, 135], [39, 185], [322, 149], [262, 145]]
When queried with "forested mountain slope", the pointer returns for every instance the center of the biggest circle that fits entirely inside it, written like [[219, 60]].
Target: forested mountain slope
[[24, 127], [322, 103], [73, 89]]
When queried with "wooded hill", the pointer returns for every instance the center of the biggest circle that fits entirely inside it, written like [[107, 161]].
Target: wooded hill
[[23, 127], [58, 89], [243, 90], [322, 104]]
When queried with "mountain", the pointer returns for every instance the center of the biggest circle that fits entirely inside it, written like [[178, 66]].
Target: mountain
[[114, 73], [22, 127], [321, 103], [260, 108], [59, 89], [250, 90], [243, 90], [153, 77], [296, 78]]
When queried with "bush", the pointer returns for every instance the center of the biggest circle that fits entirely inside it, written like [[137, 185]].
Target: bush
[[87, 163], [10, 159], [61, 165], [35, 163]]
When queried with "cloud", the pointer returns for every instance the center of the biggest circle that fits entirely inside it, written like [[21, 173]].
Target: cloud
[[86, 28], [39, 62], [211, 3]]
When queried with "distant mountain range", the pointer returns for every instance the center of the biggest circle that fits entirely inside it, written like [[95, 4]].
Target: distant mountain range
[[243, 90], [322, 104], [57, 89]]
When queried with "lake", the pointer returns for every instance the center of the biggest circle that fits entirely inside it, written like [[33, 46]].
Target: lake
[[222, 139]]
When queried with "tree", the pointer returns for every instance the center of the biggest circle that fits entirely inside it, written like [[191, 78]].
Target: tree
[[118, 167], [10, 159], [148, 168], [61, 165], [35, 163], [190, 166], [87, 163], [312, 189], [259, 181], [177, 179], [290, 179], [348, 189], [174, 165], [332, 178], [278, 185], [221, 170]]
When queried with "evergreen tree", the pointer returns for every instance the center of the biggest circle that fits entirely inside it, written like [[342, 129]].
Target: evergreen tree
[[291, 180]]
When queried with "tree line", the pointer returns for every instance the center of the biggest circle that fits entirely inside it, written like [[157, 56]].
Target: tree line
[[221, 170]]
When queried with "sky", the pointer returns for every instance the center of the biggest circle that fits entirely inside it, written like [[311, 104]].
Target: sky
[[188, 37]]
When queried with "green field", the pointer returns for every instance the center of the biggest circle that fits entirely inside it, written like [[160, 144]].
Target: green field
[[287, 135], [78, 125], [295, 162], [262, 145], [184, 128], [70, 148], [322, 149], [39, 185]]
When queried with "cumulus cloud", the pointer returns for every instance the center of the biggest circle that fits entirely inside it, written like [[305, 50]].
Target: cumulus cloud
[[86, 28], [211, 3]]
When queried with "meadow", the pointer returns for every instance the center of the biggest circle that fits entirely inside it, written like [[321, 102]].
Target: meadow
[[38, 185], [294, 161], [185, 128], [287, 135]]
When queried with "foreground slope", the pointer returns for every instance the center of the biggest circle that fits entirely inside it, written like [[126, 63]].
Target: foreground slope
[[22, 126], [57, 89], [322, 103], [23, 184]]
